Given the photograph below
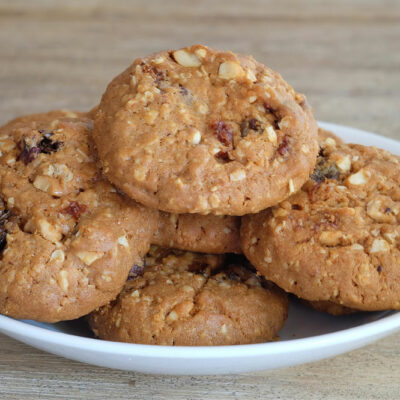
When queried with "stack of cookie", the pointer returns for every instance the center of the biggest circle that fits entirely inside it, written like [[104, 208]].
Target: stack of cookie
[[138, 212]]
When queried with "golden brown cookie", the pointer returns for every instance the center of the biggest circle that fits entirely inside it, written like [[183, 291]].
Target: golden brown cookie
[[197, 130], [67, 238], [331, 308], [188, 299], [337, 239], [200, 233]]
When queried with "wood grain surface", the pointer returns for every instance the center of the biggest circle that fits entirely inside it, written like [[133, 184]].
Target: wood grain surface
[[345, 55]]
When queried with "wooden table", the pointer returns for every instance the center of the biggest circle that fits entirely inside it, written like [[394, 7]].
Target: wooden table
[[345, 55]]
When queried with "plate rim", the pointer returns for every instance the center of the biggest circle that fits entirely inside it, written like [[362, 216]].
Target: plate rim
[[390, 323]]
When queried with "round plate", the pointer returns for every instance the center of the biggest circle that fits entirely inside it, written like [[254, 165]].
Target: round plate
[[307, 336]]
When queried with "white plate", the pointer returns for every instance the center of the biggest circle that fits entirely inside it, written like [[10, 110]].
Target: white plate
[[307, 336]]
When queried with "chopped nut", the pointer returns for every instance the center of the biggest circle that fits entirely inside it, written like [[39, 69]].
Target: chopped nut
[[391, 236], [150, 117], [49, 231], [89, 257], [379, 245], [158, 60], [140, 174], [250, 75], [123, 241], [230, 70], [63, 281], [343, 164], [357, 246], [224, 330], [185, 59], [201, 53], [330, 238], [195, 137], [58, 256], [202, 109], [172, 316], [271, 134], [330, 142], [42, 183], [305, 149], [238, 175], [359, 178], [291, 186]]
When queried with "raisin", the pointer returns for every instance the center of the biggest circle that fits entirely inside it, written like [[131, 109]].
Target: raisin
[[136, 271], [253, 124], [224, 132], [388, 210], [223, 156], [244, 127], [157, 75], [75, 209], [4, 214], [296, 207], [30, 152], [183, 90], [283, 148], [324, 170], [379, 269], [47, 146], [27, 154], [268, 108]]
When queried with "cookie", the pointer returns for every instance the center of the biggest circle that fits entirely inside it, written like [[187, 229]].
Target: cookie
[[187, 299], [67, 238], [328, 307], [201, 131], [199, 233], [337, 239]]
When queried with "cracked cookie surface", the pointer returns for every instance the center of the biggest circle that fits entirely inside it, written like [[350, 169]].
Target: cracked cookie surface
[[202, 131], [338, 239], [67, 238], [188, 299], [216, 234]]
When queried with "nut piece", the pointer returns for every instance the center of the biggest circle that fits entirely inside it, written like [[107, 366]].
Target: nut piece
[[182, 57], [330, 238], [271, 134], [123, 241], [58, 256], [89, 257], [195, 137], [343, 164], [63, 281], [238, 175], [379, 245], [230, 70], [359, 178], [201, 53], [48, 231], [41, 183]]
